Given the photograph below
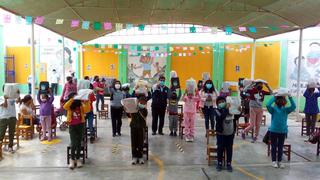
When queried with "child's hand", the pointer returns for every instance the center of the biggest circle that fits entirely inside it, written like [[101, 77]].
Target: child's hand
[[5, 97], [228, 105]]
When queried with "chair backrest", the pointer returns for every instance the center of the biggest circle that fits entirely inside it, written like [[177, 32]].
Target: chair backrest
[[22, 117], [210, 133]]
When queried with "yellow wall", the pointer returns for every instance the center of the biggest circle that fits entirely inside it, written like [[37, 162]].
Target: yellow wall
[[100, 63], [267, 64], [22, 62], [191, 66]]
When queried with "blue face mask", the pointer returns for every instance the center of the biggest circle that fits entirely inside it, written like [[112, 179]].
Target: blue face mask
[[209, 86], [222, 105], [141, 106], [161, 83]]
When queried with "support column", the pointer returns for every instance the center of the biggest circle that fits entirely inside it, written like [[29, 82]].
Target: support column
[[123, 66], [168, 66], [33, 68], [2, 67], [63, 63], [253, 61], [299, 67]]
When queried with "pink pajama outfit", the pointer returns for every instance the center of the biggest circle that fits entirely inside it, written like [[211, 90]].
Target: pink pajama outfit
[[189, 114], [46, 126]]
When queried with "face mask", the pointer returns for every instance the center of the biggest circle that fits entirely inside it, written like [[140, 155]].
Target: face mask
[[117, 86], [161, 83], [175, 84], [141, 106], [209, 86], [259, 88], [222, 105]]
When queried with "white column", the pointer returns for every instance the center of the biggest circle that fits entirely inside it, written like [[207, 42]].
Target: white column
[[253, 60], [299, 67], [81, 61], [63, 63], [32, 59]]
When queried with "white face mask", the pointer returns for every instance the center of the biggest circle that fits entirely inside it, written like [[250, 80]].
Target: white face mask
[[117, 86]]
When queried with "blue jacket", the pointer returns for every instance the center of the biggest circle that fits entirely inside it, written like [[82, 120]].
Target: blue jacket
[[279, 116], [311, 106]]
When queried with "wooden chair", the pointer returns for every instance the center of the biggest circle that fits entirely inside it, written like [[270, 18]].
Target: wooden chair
[[242, 126], [264, 120], [103, 113], [317, 129], [0, 151], [15, 138], [84, 149], [212, 149], [303, 127], [25, 130], [180, 123], [286, 150]]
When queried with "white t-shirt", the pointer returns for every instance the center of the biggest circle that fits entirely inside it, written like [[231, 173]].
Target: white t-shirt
[[27, 108], [54, 78], [9, 111]]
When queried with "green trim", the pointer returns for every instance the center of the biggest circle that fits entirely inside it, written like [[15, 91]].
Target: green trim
[[168, 66], [2, 68], [218, 65], [122, 66], [77, 63], [283, 64]]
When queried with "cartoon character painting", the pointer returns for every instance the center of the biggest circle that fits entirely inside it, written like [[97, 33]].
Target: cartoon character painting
[[313, 57]]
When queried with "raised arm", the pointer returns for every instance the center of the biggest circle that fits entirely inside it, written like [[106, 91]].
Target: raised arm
[[269, 105], [270, 90], [292, 106], [67, 105]]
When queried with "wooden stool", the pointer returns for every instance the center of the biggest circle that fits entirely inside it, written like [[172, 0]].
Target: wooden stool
[[212, 150], [145, 149], [264, 120], [286, 150], [317, 129], [103, 113], [303, 127]]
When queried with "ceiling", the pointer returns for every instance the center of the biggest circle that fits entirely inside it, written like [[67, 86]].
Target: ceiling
[[214, 13]]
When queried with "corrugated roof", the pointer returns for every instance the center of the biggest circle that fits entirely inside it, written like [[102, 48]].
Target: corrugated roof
[[214, 13]]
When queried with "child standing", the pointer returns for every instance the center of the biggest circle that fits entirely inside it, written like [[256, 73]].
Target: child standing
[[173, 111], [137, 126], [279, 126], [76, 111], [208, 102], [45, 102], [225, 129], [311, 108], [189, 114], [116, 107], [8, 119]]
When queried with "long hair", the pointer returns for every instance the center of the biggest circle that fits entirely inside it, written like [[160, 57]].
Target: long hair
[[116, 82], [25, 99], [75, 104], [211, 90]]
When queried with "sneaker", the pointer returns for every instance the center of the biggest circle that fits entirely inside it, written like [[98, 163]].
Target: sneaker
[[49, 139], [187, 139], [154, 133], [119, 134], [174, 133], [71, 165], [10, 150], [254, 139], [79, 163], [275, 164], [161, 133], [171, 133], [219, 167], [229, 168], [191, 139], [134, 161], [281, 166], [243, 135], [141, 161]]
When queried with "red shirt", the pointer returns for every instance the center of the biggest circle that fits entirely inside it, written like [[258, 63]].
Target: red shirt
[[76, 117], [91, 99], [99, 85]]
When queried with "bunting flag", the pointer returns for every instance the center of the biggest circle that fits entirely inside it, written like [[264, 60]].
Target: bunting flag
[[39, 20], [129, 26], [214, 30], [97, 26], [29, 20], [252, 29], [18, 19], [228, 30], [85, 25], [59, 21], [242, 29], [107, 25], [192, 29], [6, 18], [164, 27], [141, 27], [119, 26], [75, 23]]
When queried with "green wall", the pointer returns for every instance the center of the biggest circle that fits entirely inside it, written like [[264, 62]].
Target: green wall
[[2, 68]]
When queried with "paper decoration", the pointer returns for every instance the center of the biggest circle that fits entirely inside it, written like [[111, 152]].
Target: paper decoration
[[194, 53], [252, 29], [126, 46], [189, 54], [85, 25], [200, 48], [119, 26], [139, 48], [228, 30], [191, 48], [273, 28], [180, 54], [29, 20], [284, 26], [107, 25], [78, 42], [242, 29], [74, 49], [141, 27], [7, 18], [75, 23], [175, 54], [129, 26], [39, 20], [18, 19], [171, 49], [96, 45], [109, 46], [192, 29], [97, 26], [184, 54], [214, 30], [178, 47], [205, 28], [115, 46], [156, 48], [119, 46], [59, 21], [248, 46], [185, 48], [59, 41]]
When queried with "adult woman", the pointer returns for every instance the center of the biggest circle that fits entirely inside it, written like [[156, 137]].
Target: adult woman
[[28, 108], [116, 107], [208, 103], [69, 87]]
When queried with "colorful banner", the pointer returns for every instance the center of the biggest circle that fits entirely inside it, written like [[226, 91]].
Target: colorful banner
[[310, 64], [142, 65]]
